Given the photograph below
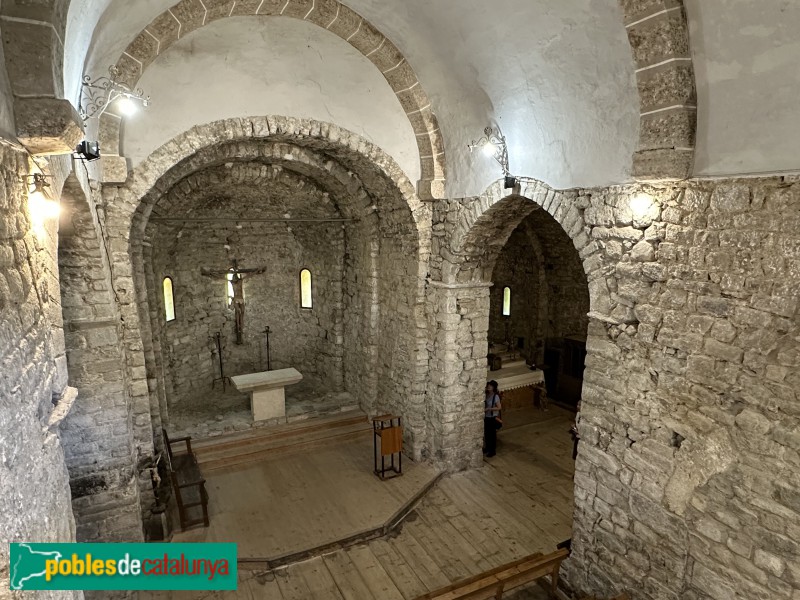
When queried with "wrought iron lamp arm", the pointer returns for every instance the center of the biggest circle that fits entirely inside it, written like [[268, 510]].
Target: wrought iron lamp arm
[[98, 94], [496, 142]]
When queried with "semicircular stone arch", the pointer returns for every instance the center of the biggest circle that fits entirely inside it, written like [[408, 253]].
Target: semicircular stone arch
[[190, 15], [484, 224], [329, 154]]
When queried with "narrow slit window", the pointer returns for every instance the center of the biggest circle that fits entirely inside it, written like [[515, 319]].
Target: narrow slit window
[[305, 289], [507, 302], [229, 288], [169, 300]]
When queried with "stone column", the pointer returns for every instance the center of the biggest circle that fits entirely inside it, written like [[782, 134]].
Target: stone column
[[458, 315]]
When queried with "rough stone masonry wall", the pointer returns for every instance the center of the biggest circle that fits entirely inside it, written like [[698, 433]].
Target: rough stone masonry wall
[[34, 485], [97, 434], [687, 479], [568, 297], [402, 355], [361, 312], [686, 482], [301, 338]]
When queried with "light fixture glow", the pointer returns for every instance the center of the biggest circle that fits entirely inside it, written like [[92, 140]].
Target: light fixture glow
[[100, 93], [493, 144], [641, 204], [127, 106], [40, 207]]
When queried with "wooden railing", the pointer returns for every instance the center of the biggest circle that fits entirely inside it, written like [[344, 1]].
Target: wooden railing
[[492, 584]]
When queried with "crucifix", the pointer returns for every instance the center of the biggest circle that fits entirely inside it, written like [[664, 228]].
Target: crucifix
[[236, 276]]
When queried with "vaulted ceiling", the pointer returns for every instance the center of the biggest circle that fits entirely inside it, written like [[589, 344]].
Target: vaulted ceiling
[[559, 78]]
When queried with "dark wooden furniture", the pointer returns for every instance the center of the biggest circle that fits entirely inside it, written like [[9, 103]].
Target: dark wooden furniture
[[389, 430], [565, 358], [187, 483], [492, 584]]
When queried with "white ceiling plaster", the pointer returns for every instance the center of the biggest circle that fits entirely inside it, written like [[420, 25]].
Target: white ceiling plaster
[[558, 77], [242, 66], [745, 56]]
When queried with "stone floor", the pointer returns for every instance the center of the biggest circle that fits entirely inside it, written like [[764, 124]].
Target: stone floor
[[219, 412], [518, 503]]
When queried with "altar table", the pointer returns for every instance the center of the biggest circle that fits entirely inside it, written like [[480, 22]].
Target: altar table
[[266, 389]]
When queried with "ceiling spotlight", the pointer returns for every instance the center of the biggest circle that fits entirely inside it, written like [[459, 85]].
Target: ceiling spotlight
[[88, 151], [100, 93], [493, 143]]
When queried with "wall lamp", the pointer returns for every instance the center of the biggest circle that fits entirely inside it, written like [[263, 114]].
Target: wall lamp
[[493, 143], [40, 204], [100, 93]]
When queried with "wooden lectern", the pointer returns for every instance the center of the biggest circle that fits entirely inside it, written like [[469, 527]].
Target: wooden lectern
[[389, 430]]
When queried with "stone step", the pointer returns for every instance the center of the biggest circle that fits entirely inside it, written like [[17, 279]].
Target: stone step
[[339, 419], [254, 445]]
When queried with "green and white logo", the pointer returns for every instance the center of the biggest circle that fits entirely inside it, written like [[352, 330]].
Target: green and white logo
[[123, 566]]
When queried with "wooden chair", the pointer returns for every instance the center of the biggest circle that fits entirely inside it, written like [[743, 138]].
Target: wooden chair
[[492, 584], [187, 482]]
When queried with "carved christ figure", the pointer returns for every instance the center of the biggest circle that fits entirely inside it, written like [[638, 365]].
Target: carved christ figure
[[236, 280], [237, 283]]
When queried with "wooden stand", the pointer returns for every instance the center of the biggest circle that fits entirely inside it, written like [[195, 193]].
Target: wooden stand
[[390, 435]]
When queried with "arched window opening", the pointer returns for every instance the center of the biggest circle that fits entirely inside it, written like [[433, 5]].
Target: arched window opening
[[169, 299], [305, 289], [507, 302], [229, 288]]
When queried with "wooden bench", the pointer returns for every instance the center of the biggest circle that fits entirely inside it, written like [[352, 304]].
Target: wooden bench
[[492, 584], [187, 481]]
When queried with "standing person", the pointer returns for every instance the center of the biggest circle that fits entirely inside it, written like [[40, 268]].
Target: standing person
[[491, 413], [576, 437]]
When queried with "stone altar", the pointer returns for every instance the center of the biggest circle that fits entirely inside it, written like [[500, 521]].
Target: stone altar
[[266, 389]]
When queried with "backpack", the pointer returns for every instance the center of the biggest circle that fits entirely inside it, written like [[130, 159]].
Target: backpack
[[498, 421]]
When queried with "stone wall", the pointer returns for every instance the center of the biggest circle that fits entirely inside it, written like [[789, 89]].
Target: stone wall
[[380, 199], [34, 484], [301, 338], [97, 434], [686, 478], [308, 340]]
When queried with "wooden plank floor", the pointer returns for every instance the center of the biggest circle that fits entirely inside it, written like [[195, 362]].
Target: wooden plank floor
[[517, 504], [294, 502]]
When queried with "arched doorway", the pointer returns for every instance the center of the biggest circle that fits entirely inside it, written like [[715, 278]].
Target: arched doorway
[[529, 241]]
